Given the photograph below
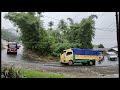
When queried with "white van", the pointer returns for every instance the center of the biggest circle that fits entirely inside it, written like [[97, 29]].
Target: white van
[[111, 56]]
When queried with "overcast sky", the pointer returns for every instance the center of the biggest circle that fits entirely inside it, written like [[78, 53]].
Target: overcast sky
[[106, 24]]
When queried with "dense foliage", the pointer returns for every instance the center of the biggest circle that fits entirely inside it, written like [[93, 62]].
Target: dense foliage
[[9, 36], [52, 41], [100, 46]]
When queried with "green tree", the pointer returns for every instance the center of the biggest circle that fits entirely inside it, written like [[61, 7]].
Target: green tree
[[71, 21], [29, 26], [73, 33], [33, 35], [100, 46], [50, 24], [62, 26], [87, 32], [7, 35], [31, 13], [81, 34], [56, 34]]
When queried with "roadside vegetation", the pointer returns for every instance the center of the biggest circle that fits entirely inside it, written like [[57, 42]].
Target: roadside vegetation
[[7, 35], [13, 72], [52, 41]]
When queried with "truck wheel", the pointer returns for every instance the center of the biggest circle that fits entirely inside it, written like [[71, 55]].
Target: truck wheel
[[63, 64], [93, 62], [90, 63], [70, 62], [84, 64]]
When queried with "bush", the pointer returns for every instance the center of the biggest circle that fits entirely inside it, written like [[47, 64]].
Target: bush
[[10, 72]]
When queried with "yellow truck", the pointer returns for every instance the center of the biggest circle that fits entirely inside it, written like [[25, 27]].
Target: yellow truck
[[76, 55]]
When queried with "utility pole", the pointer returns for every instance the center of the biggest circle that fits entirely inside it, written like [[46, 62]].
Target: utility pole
[[117, 26]]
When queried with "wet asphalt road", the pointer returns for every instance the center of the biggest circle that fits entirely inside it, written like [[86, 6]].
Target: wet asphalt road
[[21, 59], [106, 67]]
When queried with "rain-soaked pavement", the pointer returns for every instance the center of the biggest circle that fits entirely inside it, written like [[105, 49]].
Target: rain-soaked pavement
[[20, 60]]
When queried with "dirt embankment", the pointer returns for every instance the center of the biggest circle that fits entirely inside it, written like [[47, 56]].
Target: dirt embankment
[[32, 56]]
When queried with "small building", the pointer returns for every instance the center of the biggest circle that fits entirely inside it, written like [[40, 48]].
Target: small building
[[102, 50], [114, 49]]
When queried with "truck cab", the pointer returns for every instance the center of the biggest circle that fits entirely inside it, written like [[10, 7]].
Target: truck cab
[[66, 57]]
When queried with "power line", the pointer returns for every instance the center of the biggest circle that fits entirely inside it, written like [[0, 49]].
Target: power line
[[103, 29], [104, 38], [110, 24], [100, 17]]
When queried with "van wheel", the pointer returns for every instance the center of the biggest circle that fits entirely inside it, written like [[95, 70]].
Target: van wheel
[[70, 62]]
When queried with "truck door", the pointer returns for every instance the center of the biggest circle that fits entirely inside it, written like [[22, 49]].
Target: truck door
[[69, 56], [62, 57]]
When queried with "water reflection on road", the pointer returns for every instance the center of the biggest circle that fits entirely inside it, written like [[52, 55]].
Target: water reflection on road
[[20, 58], [11, 57], [107, 62]]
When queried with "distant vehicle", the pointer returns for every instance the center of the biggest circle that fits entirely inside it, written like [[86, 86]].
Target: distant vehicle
[[75, 55], [12, 48], [111, 56]]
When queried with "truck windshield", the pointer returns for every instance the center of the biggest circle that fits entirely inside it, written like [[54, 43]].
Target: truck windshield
[[69, 53], [63, 52], [12, 46]]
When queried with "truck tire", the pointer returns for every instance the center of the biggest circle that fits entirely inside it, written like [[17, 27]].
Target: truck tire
[[93, 62], [70, 63], [84, 64], [90, 63], [63, 64]]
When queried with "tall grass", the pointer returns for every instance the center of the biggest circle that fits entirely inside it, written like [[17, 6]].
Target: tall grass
[[12, 72]]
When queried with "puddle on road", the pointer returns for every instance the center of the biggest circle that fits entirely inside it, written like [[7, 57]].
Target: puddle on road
[[107, 62]]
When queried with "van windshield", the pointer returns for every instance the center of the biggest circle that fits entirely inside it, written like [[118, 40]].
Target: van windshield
[[12, 46], [112, 54]]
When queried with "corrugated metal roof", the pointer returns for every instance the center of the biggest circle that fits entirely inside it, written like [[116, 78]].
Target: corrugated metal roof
[[110, 53], [116, 49], [101, 49]]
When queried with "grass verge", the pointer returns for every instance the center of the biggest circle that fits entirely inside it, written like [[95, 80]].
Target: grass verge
[[11, 72]]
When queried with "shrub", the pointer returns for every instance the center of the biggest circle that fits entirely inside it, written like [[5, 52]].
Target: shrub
[[10, 72]]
